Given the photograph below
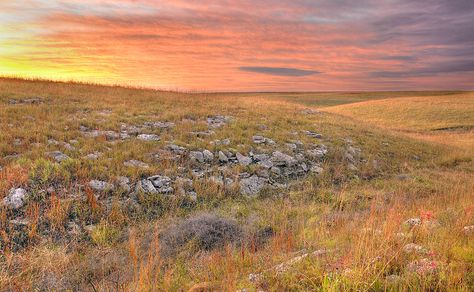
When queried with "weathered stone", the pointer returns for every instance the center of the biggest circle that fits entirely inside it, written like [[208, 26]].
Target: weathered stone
[[176, 149], [15, 199], [218, 121], [281, 159], [160, 125], [291, 146], [243, 160], [124, 182], [316, 169], [136, 163], [308, 111], [202, 134], [207, 155], [222, 157], [100, 186], [196, 156], [262, 140], [265, 163], [414, 248], [58, 156], [412, 222], [161, 183], [145, 186], [313, 134], [93, 156], [317, 153], [468, 230], [422, 267], [252, 185], [148, 137], [221, 142]]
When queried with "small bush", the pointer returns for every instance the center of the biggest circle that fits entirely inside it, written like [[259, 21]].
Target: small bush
[[104, 234], [202, 232]]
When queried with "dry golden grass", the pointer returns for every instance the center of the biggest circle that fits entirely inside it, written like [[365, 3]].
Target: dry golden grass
[[446, 119], [356, 217]]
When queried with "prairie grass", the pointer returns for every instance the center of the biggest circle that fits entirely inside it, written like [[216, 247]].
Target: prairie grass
[[417, 151]]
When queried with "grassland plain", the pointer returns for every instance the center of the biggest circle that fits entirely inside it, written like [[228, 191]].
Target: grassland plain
[[390, 206]]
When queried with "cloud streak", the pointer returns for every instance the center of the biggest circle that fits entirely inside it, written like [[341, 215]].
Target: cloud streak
[[243, 45], [279, 71]]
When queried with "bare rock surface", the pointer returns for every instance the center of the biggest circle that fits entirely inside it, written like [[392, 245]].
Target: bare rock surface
[[15, 199]]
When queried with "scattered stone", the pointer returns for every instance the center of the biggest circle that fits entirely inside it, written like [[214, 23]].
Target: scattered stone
[[308, 111], [423, 267], [242, 159], [161, 183], [124, 183], [318, 152], [262, 140], [313, 134], [15, 198], [316, 169], [33, 100], [412, 222], [291, 146], [281, 159], [208, 156], [58, 156], [404, 177], [148, 137], [252, 185], [145, 186], [136, 163], [100, 186], [393, 279], [468, 229], [222, 157], [196, 156], [17, 142], [414, 248], [20, 222], [221, 142], [160, 125], [93, 156], [202, 134], [215, 122], [176, 149]]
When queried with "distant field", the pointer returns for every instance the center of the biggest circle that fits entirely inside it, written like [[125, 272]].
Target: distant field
[[324, 99], [447, 119]]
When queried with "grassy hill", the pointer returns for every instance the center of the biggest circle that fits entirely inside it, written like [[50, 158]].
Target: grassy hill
[[366, 191]]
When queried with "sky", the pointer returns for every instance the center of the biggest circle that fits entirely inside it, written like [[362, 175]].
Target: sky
[[248, 45]]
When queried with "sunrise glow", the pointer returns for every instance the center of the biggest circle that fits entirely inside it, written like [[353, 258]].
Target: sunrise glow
[[242, 45]]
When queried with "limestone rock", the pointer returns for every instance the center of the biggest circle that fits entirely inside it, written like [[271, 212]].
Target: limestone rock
[[252, 185], [15, 198]]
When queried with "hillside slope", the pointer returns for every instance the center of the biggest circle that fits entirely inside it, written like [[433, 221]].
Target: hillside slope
[[111, 188]]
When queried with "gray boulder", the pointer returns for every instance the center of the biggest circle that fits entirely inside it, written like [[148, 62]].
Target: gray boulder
[[281, 159], [196, 156], [243, 160], [15, 198], [100, 186], [148, 137], [161, 183], [145, 186], [208, 156], [136, 163], [58, 156], [252, 185], [222, 157]]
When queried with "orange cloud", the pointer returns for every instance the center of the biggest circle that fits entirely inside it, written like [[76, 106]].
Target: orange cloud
[[204, 46]]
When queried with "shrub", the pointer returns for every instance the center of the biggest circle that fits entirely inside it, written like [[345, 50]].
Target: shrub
[[202, 232], [104, 234]]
